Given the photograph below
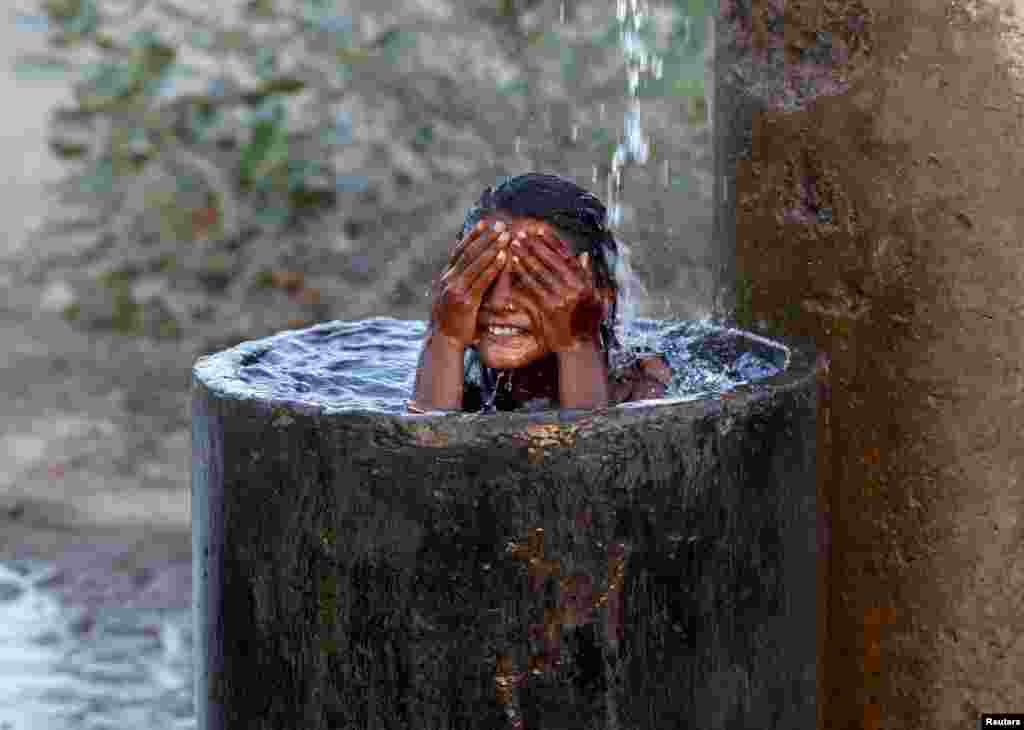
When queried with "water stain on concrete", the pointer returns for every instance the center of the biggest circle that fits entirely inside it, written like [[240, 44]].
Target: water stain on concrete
[[901, 252]]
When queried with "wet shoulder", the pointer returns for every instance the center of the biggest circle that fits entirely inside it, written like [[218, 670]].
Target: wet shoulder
[[645, 377]]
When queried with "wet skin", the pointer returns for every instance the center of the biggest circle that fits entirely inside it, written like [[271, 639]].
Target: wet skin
[[519, 285], [534, 284]]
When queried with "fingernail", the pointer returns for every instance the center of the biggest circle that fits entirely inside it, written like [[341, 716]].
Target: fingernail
[[504, 237], [499, 226], [521, 234]]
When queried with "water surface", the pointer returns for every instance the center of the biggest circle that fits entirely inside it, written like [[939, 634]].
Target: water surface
[[370, 365]]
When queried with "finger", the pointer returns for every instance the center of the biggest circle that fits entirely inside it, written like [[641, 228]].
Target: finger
[[480, 241], [473, 234], [486, 266], [492, 262], [480, 231], [488, 239], [539, 252], [535, 281], [460, 247], [553, 241], [554, 274]]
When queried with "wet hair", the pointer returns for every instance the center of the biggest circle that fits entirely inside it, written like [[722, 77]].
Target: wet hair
[[579, 217]]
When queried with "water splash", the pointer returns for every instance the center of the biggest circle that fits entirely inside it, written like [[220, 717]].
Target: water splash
[[370, 365], [635, 17], [634, 301]]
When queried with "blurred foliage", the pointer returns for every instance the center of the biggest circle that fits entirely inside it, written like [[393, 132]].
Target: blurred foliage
[[146, 102], [133, 88]]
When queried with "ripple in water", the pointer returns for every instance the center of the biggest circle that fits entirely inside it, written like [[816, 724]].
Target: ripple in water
[[370, 365]]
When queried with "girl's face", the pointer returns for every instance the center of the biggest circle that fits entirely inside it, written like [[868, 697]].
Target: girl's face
[[513, 351]]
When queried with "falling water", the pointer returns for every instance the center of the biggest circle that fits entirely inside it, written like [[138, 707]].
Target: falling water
[[633, 147]]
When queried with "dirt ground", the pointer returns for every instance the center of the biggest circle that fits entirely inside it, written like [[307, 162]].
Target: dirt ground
[[915, 289], [884, 223], [61, 411]]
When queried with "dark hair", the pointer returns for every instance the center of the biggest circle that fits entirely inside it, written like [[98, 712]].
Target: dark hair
[[579, 217]]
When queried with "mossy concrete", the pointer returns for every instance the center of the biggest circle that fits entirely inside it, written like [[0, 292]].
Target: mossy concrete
[[652, 566]]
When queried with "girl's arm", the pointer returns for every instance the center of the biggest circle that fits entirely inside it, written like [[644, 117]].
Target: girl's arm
[[439, 375], [474, 265], [646, 378]]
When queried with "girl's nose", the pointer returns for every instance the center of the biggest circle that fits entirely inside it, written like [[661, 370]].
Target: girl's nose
[[499, 296]]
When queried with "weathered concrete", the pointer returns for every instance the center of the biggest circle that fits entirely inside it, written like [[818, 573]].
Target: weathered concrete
[[651, 566]]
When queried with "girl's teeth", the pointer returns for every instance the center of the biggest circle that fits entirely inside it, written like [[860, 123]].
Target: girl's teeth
[[504, 330]]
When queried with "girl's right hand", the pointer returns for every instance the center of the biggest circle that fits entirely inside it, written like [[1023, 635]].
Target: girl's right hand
[[474, 265]]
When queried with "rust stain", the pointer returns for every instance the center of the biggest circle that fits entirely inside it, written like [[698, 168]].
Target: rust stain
[[425, 436], [506, 681], [873, 619], [551, 435], [539, 438], [577, 601], [872, 457], [878, 616], [872, 716]]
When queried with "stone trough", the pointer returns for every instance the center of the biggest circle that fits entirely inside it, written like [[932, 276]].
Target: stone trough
[[650, 566]]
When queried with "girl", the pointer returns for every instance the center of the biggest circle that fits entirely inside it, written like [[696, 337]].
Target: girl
[[524, 314]]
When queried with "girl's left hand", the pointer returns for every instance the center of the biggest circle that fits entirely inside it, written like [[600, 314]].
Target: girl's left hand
[[561, 289]]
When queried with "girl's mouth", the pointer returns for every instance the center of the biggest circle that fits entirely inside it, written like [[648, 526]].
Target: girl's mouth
[[504, 333]]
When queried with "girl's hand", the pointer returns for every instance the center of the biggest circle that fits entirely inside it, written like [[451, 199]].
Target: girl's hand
[[474, 264], [560, 287]]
